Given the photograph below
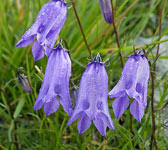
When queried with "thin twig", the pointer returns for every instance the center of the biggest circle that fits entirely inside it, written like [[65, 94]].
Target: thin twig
[[83, 34], [116, 35], [153, 83]]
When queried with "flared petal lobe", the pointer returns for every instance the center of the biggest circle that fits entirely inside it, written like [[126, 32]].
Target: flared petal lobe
[[55, 87], [92, 100], [106, 9], [133, 83], [128, 78], [46, 28]]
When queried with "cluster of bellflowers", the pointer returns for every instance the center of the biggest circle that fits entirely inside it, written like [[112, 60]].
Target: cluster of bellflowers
[[91, 103]]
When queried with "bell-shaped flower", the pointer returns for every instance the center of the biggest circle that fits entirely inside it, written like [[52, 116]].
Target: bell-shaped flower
[[55, 88], [133, 83], [106, 9], [23, 81], [92, 99], [46, 28]]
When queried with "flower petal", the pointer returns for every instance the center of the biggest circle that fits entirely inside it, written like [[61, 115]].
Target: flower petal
[[25, 42], [51, 107], [38, 104], [137, 110], [100, 126], [84, 123], [106, 119], [46, 82], [142, 79], [128, 78], [54, 32], [37, 51], [120, 104], [106, 10], [75, 116], [53, 20], [60, 79]]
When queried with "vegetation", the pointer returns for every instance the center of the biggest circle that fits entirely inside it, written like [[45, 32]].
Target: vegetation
[[23, 128]]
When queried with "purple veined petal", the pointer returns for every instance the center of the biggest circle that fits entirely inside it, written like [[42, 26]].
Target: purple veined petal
[[54, 32], [106, 119], [83, 124], [25, 42], [137, 110], [106, 9], [51, 107], [38, 51], [46, 82], [127, 81], [142, 80], [100, 126], [60, 79], [47, 26], [28, 37], [38, 104], [47, 20], [75, 116], [55, 18], [102, 122], [56, 83], [52, 36], [120, 104], [92, 96], [59, 71]]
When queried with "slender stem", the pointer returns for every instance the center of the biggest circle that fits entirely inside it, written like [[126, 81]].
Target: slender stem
[[116, 35], [152, 107], [134, 50], [83, 34], [153, 140]]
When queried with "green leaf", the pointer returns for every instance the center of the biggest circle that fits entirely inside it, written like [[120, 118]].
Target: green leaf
[[11, 127], [19, 108]]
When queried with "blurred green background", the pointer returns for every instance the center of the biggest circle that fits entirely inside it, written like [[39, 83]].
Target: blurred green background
[[23, 128]]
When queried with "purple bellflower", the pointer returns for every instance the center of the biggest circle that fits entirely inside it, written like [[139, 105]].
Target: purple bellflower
[[133, 83], [55, 87], [106, 9], [92, 99], [46, 28]]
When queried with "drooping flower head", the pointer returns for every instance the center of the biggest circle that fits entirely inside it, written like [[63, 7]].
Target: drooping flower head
[[106, 9], [23, 81], [55, 88], [46, 28], [133, 83], [92, 99]]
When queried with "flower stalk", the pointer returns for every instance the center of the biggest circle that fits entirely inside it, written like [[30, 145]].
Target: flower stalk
[[116, 35], [83, 34], [153, 140]]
